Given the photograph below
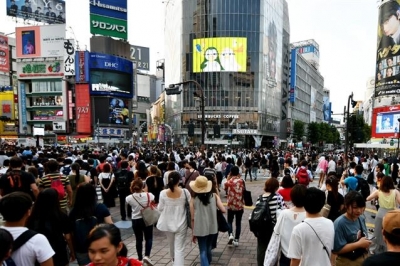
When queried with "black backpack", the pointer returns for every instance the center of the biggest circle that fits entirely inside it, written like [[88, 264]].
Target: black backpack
[[81, 231], [19, 242], [363, 187], [261, 221], [66, 170], [122, 179], [370, 178]]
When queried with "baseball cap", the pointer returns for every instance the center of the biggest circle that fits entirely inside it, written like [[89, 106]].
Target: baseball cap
[[391, 222]]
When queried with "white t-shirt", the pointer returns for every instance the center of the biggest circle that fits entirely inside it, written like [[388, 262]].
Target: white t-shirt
[[136, 208], [37, 248], [331, 166], [305, 245], [287, 220]]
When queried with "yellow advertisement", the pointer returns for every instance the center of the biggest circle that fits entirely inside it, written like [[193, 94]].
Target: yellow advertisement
[[227, 54], [7, 125]]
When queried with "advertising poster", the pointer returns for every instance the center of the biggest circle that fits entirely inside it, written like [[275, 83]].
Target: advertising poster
[[47, 114], [385, 122], [51, 12], [7, 105], [118, 111], [388, 50], [22, 104], [4, 54], [326, 109], [220, 55], [40, 41], [29, 70], [83, 109], [110, 75]]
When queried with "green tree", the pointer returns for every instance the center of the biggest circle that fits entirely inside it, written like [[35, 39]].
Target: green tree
[[359, 131], [313, 132], [298, 130]]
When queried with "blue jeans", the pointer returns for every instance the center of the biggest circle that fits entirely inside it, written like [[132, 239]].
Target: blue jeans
[[231, 215], [205, 245], [254, 171], [139, 228]]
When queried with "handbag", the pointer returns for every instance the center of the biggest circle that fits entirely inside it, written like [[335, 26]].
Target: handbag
[[222, 223], [248, 200], [327, 208], [150, 213], [273, 250], [187, 208], [355, 254]]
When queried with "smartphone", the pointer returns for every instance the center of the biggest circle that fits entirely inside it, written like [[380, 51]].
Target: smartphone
[[372, 238]]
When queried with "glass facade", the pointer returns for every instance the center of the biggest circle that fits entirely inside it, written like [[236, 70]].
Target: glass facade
[[237, 95]]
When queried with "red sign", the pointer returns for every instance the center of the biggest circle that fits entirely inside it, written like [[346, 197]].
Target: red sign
[[4, 54], [386, 122], [83, 109]]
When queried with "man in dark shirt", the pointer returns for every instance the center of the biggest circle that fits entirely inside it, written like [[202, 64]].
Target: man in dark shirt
[[124, 177], [391, 235], [17, 180], [13, 9], [38, 14], [26, 10], [50, 16]]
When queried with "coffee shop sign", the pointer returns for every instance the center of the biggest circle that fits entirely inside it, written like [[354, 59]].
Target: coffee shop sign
[[219, 116]]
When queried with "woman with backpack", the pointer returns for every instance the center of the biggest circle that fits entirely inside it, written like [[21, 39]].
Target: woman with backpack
[[84, 216], [388, 198], [48, 219], [75, 179]]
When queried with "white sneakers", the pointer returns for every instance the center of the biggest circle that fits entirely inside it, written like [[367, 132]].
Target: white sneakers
[[147, 262], [236, 242], [230, 241]]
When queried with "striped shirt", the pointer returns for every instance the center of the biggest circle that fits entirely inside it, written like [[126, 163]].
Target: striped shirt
[[45, 182], [275, 203]]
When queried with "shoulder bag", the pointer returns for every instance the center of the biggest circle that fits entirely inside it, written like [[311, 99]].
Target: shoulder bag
[[150, 213], [248, 200], [187, 208], [327, 208], [323, 245], [355, 254]]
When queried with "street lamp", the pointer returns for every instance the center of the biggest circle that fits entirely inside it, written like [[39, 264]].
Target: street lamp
[[353, 104], [174, 89]]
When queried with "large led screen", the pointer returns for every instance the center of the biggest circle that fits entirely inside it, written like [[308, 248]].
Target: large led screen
[[219, 55], [385, 122], [110, 82]]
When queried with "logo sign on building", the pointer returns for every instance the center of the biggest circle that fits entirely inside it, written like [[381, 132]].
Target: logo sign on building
[[82, 67], [4, 54], [112, 132], [110, 75], [385, 122], [293, 62], [46, 11], [59, 126], [219, 55], [388, 52], [40, 41], [141, 55], [109, 18], [83, 109], [29, 70], [108, 26], [245, 132], [69, 58]]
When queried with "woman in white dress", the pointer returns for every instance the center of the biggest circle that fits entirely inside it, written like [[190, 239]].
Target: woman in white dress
[[173, 217]]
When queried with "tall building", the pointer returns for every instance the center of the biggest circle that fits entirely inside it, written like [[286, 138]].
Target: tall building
[[307, 92], [238, 51]]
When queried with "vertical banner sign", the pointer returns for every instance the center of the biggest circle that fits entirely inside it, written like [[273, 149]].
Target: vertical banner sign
[[23, 105], [69, 58], [71, 106], [82, 67], [293, 59], [387, 73], [4, 54], [83, 109]]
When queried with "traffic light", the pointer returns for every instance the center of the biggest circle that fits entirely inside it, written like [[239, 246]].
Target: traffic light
[[217, 131], [173, 90], [191, 130]]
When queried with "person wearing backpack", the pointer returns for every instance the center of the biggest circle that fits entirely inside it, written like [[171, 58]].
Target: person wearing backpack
[[264, 216], [66, 169], [124, 178], [84, 216], [28, 247], [59, 182], [17, 180], [362, 184], [75, 179], [303, 175]]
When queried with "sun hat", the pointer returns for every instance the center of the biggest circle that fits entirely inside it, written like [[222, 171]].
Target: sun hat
[[391, 222], [201, 184]]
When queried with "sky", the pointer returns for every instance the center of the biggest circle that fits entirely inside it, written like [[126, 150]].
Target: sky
[[344, 29]]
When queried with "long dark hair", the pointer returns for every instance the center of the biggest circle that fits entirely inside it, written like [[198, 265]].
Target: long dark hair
[[142, 171], [85, 201], [76, 167], [46, 209], [334, 183], [204, 197], [173, 179]]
